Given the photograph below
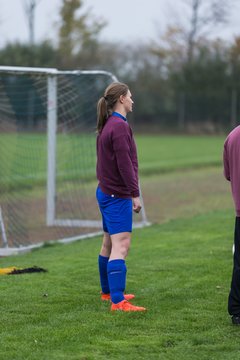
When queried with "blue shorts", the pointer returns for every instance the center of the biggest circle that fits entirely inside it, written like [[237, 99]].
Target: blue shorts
[[116, 213]]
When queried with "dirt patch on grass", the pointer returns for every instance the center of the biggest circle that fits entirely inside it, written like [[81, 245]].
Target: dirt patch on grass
[[183, 194], [166, 196]]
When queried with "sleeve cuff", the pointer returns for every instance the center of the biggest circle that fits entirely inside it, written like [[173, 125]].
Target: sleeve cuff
[[135, 194]]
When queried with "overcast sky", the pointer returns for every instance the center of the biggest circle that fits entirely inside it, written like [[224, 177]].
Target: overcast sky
[[128, 20]]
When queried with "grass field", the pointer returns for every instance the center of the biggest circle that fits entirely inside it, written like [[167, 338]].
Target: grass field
[[24, 156], [158, 154], [179, 268]]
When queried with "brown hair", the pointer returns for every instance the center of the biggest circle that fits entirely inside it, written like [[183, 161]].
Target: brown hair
[[107, 102]]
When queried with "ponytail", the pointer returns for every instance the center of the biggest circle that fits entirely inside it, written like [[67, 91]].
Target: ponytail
[[102, 114]]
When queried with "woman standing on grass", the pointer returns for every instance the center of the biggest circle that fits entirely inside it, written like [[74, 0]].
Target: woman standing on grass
[[117, 192]]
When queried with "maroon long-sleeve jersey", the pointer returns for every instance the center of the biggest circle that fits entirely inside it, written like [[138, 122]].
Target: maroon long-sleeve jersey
[[231, 162], [117, 163]]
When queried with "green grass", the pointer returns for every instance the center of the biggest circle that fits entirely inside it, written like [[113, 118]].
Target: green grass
[[179, 270], [158, 154], [24, 156], [24, 159]]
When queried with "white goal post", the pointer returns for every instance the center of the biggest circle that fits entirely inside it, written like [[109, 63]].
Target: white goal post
[[53, 101]]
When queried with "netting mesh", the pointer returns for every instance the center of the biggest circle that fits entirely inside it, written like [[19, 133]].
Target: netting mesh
[[24, 155]]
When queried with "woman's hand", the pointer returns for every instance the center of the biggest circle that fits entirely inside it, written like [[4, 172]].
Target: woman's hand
[[137, 204]]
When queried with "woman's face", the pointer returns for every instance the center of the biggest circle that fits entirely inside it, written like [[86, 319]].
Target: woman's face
[[127, 102]]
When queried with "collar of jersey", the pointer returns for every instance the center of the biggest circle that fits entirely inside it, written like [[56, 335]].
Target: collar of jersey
[[119, 115]]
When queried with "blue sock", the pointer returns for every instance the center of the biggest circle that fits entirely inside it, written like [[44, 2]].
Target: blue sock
[[117, 279], [102, 266]]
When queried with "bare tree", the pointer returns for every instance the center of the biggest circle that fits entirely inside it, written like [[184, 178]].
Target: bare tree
[[204, 16], [29, 8], [184, 36], [198, 22]]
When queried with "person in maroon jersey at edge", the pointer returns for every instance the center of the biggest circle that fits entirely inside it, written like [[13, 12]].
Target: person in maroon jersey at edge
[[117, 192], [231, 158]]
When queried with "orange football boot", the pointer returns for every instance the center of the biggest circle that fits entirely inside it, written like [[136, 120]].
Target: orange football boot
[[107, 297], [126, 306]]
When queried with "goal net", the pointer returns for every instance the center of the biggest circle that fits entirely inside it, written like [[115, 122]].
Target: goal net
[[47, 155]]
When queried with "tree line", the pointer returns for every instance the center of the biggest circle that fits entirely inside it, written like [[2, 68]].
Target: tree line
[[184, 81]]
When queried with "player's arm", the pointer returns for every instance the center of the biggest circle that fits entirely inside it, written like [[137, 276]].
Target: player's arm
[[122, 150], [226, 163]]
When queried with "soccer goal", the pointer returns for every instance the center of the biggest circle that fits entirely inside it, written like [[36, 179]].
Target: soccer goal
[[47, 156]]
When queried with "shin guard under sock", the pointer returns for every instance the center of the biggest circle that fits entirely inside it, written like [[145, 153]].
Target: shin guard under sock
[[117, 279], [102, 266]]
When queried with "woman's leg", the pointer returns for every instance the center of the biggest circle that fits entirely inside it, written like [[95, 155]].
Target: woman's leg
[[117, 273], [106, 245], [120, 245], [103, 262], [234, 295], [116, 266]]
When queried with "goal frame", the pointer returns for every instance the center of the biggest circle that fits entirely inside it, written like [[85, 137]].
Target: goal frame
[[52, 119]]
